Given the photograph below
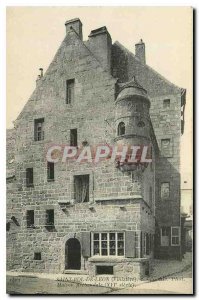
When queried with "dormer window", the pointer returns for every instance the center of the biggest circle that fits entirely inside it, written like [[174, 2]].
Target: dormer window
[[121, 128]]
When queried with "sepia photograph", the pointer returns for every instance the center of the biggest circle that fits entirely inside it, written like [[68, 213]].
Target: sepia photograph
[[99, 150]]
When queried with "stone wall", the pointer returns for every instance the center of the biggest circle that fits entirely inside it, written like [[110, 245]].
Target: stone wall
[[93, 114]]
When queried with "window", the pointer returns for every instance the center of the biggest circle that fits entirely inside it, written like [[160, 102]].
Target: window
[[70, 91], [73, 137], [165, 236], [166, 103], [37, 256], [39, 129], [30, 218], [166, 147], [105, 244], [29, 177], [165, 190], [50, 171], [81, 188], [175, 236], [121, 128], [50, 217]]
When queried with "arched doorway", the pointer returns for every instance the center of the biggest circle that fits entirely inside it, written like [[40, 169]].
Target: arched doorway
[[73, 254]]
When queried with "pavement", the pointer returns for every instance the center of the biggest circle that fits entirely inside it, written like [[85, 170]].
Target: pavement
[[166, 276]]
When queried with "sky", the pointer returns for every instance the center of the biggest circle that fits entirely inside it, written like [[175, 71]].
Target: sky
[[35, 33]]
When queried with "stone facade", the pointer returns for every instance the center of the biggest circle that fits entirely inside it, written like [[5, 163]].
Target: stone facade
[[126, 202]]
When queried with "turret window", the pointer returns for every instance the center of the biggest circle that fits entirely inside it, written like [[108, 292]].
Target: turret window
[[121, 128]]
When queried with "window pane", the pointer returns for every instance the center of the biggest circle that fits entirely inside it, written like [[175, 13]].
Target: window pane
[[120, 252], [112, 252], [96, 236], [112, 236], [104, 244], [104, 236], [104, 252], [112, 245], [175, 231], [120, 245], [175, 240], [120, 236]]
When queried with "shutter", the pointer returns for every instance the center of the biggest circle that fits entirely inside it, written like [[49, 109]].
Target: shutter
[[143, 249], [130, 243], [86, 244]]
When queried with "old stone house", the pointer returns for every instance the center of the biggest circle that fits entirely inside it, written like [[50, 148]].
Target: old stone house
[[96, 218]]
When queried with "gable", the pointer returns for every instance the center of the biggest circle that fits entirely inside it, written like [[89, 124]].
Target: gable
[[72, 60]]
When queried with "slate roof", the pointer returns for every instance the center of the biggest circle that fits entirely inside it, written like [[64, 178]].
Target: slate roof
[[125, 65]]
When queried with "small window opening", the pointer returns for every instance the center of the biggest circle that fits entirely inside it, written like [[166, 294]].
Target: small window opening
[[29, 177], [50, 171], [50, 217], [73, 137], [121, 129], [81, 188], [30, 218], [70, 91], [37, 256]]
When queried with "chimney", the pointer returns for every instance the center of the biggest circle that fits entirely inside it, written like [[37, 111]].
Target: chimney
[[75, 24], [140, 51], [100, 44]]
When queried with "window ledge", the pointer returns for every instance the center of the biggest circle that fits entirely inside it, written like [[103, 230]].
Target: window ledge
[[112, 259], [38, 260], [97, 258], [39, 142]]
